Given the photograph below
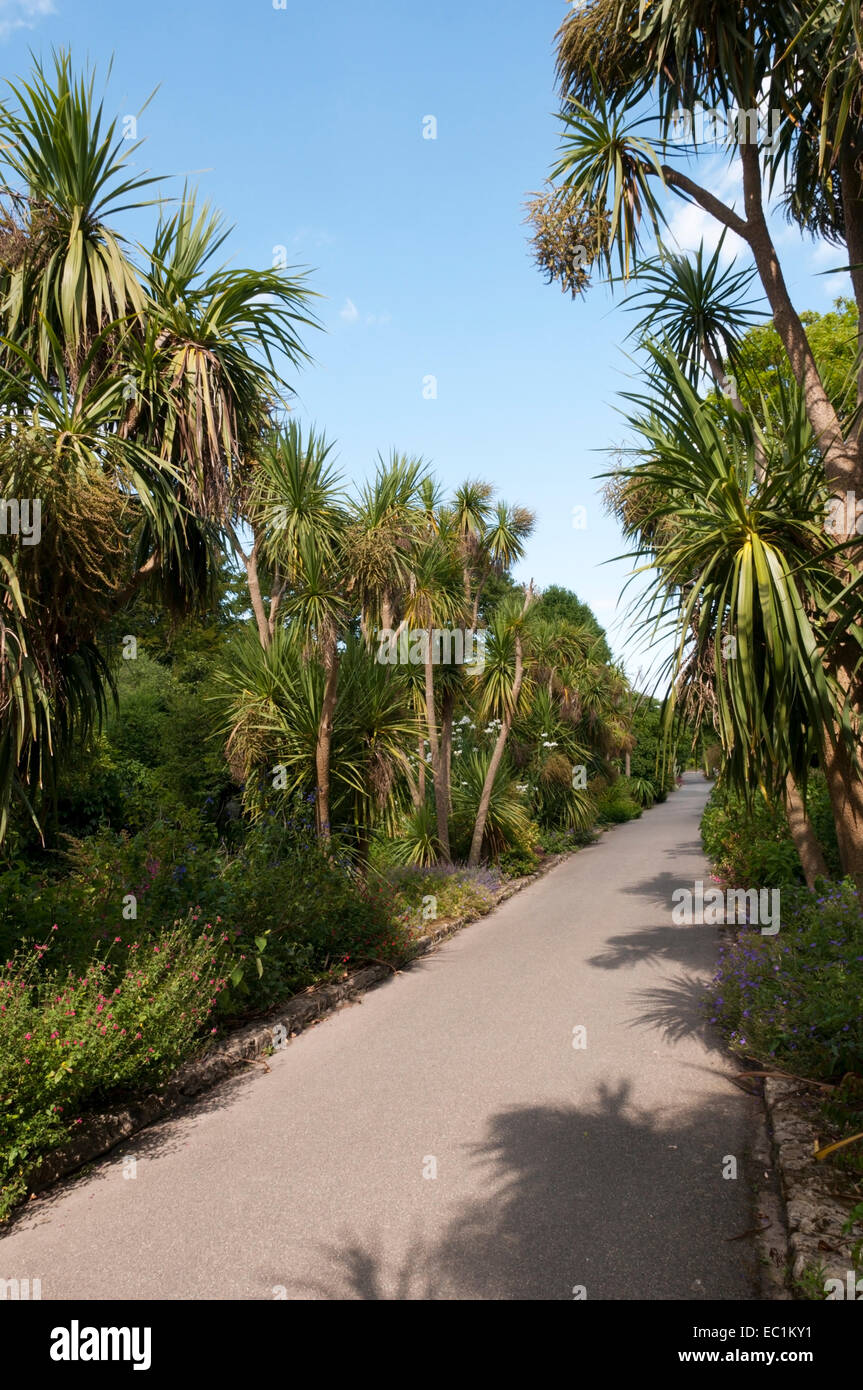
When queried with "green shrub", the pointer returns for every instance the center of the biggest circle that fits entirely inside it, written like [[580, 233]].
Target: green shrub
[[752, 846], [516, 863], [508, 825], [616, 803], [792, 1001], [426, 895], [68, 1041]]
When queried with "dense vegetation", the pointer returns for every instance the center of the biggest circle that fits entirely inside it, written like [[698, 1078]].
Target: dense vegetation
[[237, 755]]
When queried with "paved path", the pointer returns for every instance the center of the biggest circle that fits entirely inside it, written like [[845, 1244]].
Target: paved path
[[556, 1166]]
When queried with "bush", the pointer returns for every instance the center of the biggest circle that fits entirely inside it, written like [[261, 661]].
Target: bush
[[426, 895], [793, 1001], [517, 863], [68, 1041], [616, 803], [752, 846]]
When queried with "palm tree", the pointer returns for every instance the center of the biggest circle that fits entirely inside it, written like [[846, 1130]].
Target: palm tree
[[386, 518], [141, 398], [804, 63], [743, 560], [66, 271], [436, 600], [501, 688], [702, 313]]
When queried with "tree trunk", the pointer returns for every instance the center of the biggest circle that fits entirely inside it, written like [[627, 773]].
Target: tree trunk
[[841, 460], [628, 764], [421, 775], [447, 711], [846, 800], [497, 755], [805, 840], [437, 765], [325, 741], [250, 563]]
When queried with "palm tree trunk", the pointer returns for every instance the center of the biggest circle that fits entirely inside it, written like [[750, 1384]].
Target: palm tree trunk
[[421, 774], [447, 711], [250, 563], [437, 766], [497, 755], [846, 799], [324, 742], [804, 837]]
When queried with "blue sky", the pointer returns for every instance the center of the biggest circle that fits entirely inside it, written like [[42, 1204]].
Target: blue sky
[[305, 126]]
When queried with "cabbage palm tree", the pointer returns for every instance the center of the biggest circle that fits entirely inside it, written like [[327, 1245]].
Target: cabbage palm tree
[[436, 600], [65, 269], [142, 396], [386, 517], [804, 62], [745, 579], [501, 685]]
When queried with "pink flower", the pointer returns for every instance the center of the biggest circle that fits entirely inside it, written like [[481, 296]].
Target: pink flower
[[27, 1037]]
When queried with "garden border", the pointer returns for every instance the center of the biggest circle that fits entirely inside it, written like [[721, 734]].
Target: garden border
[[813, 1194], [104, 1131]]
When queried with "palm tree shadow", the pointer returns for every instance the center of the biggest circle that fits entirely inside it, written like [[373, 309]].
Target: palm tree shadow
[[603, 1197], [678, 1009]]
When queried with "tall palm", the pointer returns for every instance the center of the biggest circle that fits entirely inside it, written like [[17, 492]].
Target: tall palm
[[142, 396], [436, 600], [744, 561], [386, 517], [293, 499], [501, 686], [64, 268]]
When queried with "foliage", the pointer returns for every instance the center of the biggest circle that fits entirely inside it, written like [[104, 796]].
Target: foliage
[[751, 845], [616, 802], [791, 1001], [70, 1039]]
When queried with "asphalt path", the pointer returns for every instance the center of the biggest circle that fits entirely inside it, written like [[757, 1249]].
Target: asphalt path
[[538, 1108]]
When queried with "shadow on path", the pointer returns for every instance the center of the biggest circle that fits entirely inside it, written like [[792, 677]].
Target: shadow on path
[[591, 1196]]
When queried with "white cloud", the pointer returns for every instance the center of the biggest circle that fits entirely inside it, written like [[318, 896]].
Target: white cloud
[[690, 224], [22, 14], [351, 314]]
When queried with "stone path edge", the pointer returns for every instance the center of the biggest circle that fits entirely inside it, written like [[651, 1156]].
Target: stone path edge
[[814, 1196]]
